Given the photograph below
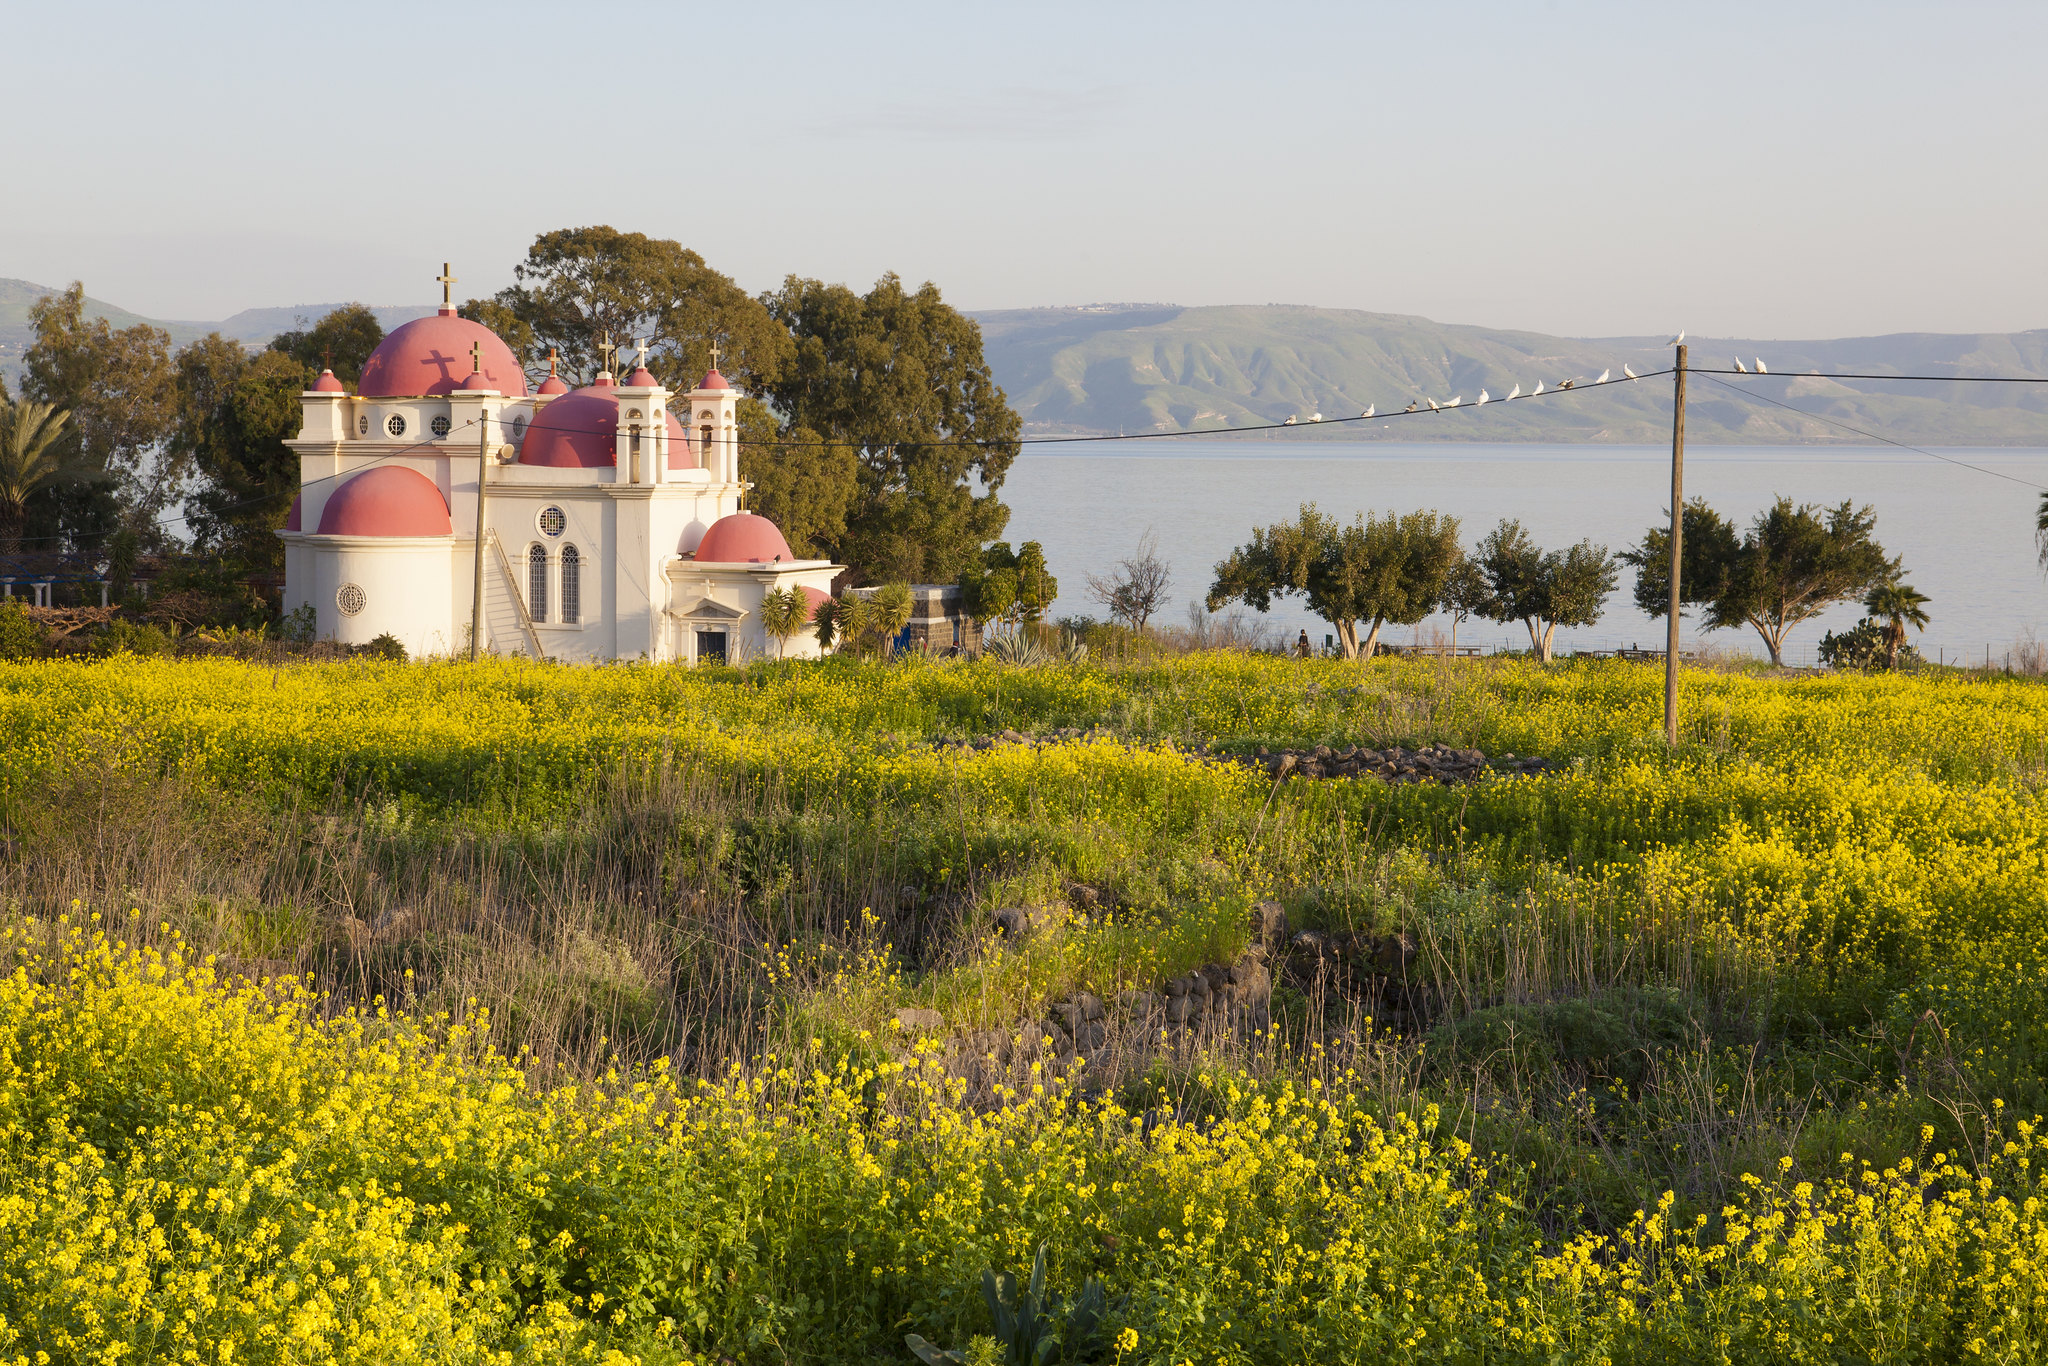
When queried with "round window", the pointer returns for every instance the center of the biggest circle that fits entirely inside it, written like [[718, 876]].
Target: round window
[[363, 425], [440, 425], [349, 598], [519, 427], [395, 425], [553, 521]]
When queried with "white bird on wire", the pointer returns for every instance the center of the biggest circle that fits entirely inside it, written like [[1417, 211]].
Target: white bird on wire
[[1603, 377], [1315, 417], [1455, 402], [1434, 407], [1484, 397], [1292, 419], [1677, 339], [1628, 372], [1516, 392], [1537, 390], [1761, 368], [1368, 409], [1740, 368]]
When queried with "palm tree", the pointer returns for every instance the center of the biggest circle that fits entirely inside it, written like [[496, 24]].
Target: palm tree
[[28, 458], [1900, 606], [783, 614]]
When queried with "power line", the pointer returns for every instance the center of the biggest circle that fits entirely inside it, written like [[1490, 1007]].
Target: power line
[[1815, 374], [1760, 398]]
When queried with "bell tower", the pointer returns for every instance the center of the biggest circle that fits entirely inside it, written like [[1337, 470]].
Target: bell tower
[[714, 425]]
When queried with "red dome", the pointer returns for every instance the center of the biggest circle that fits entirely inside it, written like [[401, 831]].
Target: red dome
[[743, 538], [817, 597], [390, 500], [578, 430], [429, 357], [642, 378], [714, 380], [329, 384], [553, 384], [291, 519]]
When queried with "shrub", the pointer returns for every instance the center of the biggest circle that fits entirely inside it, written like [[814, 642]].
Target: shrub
[[20, 636], [131, 638], [386, 646]]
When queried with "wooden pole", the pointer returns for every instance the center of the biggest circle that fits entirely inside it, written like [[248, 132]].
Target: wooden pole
[[476, 600], [1677, 543]]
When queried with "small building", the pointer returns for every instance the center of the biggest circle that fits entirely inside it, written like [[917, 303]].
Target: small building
[[938, 623], [612, 519]]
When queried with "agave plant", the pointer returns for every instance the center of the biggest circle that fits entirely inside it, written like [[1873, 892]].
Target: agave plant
[[1032, 1328], [1030, 651]]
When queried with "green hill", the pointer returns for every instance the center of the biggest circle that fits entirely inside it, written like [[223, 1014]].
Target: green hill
[[1146, 367]]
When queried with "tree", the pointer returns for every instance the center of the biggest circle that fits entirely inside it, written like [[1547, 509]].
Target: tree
[[898, 376], [1376, 570], [29, 453], [1898, 605], [1137, 589], [889, 609], [2041, 530], [1707, 554], [1009, 586], [802, 483], [119, 389], [342, 340], [1542, 590], [1464, 594], [1796, 562], [783, 614], [580, 286], [235, 413], [842, 621]]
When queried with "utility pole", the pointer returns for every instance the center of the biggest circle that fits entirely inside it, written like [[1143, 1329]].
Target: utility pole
[[483, 466], [1677, 543]]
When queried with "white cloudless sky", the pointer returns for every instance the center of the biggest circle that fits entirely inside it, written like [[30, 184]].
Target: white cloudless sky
[[1780, 169]]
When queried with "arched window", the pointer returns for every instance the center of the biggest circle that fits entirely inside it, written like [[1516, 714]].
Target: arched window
[[537, 583], [572, 584]]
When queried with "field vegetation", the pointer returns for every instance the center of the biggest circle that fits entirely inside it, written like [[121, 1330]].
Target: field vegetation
[[367, 1011]]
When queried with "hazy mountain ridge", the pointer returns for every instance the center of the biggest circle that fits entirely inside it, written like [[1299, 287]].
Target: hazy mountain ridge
[[1134, 368], [1108, 368], [251, 327]]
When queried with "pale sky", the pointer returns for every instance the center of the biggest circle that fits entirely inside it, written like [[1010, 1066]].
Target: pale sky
[[1769, 170]]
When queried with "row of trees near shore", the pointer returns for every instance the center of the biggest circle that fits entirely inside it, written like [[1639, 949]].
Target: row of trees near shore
[[1790, 565]]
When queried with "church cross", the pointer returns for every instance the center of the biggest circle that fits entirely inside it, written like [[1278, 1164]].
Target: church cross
[[447, 279], [641, 346], [476, 357], [714, 355], [551, 362], [605, 352]]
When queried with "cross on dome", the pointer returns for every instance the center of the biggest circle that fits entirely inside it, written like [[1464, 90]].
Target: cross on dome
[[605, 352], [641, 347], [447, 279], [476, 358], [715, 353], [551, 362]]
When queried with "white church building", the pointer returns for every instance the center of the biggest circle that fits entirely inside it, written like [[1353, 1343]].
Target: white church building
[[611, 515]]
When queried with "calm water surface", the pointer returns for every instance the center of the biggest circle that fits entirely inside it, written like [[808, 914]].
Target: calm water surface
[[1967, 538]]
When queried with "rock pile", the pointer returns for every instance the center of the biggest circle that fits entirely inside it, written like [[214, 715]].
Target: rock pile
[[1064, 735], [1430, 764]]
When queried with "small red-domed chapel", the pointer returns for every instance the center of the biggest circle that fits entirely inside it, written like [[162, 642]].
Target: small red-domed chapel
[[611, 514]]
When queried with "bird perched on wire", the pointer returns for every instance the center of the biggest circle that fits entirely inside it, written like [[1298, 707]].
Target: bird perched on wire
[[1484, 397], [1603, 377], [1412, 407], [1315, 417], [1292, 419], [1537, 390], [1628, 372], [1368, 409], [1568, 383], [1432, 404], [1516, 392], [1740, 368], [1455, 401], [1677, 339], [1761, 368]]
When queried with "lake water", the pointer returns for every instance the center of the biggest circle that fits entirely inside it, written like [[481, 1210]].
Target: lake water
[[1967, 538]]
